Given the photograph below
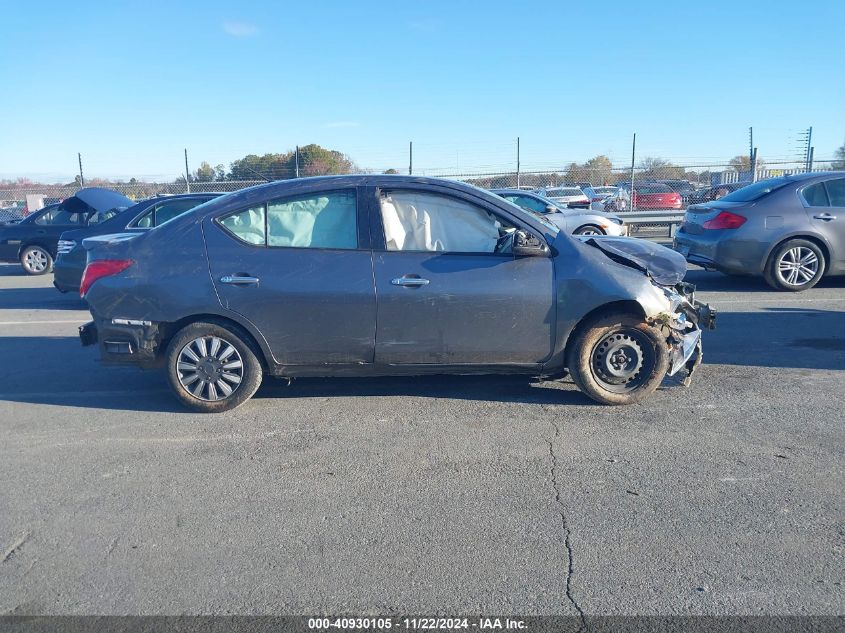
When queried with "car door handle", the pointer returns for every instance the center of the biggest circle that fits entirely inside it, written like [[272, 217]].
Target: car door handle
[[239, 280], [825, 216], [409, 281]]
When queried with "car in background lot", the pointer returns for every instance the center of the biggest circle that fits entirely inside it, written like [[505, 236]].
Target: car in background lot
[[790, 230], [34, 240], [385, 275], [715, 192], [655, 196], [70, 263], [12, 214], [577, 222], [572, 197]]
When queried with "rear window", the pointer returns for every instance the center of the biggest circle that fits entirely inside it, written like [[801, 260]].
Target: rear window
[[756, 190]]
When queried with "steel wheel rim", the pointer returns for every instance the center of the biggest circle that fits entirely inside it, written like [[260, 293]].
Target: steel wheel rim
[[36, 260], [210, 368], [798, 266], [623, 360]]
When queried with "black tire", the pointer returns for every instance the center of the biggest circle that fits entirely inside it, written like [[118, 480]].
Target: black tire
[[594, 355], [791, 263], [36, 260], [588, 229], [213, 368]]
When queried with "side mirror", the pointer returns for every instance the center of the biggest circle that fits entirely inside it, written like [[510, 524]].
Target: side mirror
[[527, 245], [550, 208]]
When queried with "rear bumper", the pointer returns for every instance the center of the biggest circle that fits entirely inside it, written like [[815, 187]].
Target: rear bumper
[[123, 343], [713, 251], [67, 277]]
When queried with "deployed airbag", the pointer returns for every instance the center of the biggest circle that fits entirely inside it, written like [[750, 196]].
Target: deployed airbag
[[428, 222]]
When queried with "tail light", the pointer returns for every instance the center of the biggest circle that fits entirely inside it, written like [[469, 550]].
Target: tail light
[[725, 220], [101, 268]]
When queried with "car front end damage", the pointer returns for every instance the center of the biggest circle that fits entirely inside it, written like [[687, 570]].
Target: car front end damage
[[682, 325]]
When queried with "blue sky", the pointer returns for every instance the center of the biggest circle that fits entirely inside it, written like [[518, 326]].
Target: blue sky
[[131, 84]]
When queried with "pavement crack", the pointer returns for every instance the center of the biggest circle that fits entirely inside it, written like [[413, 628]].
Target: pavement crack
[[14, 547], [567, 531]]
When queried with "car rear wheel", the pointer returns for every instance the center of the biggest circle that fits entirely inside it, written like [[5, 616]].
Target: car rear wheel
[[618, 359], [210, 368], [794, 266], [589, 229], [36, 260]]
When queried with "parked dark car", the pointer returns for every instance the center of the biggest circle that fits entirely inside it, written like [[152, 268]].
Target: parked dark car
[[385, 275], [34, 240], [147, 214], [715, 192], [790, 230]]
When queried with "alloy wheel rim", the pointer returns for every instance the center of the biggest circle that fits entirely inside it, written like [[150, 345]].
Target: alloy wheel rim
[[36, 260], [798, 266], [210, 368], [623, 360], [590, 232]]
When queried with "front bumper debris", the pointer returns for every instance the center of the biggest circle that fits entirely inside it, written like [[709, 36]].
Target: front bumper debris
[[683, 333]]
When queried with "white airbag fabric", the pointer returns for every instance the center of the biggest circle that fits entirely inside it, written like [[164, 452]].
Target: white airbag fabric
[[426, 222], [327, 221]]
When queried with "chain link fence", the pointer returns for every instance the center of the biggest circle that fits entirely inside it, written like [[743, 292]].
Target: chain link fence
[[686, 179]]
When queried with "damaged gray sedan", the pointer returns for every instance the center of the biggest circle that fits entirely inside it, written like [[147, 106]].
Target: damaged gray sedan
[[386, 275]]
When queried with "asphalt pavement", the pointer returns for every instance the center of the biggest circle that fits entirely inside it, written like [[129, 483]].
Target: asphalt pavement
[[433, 495]]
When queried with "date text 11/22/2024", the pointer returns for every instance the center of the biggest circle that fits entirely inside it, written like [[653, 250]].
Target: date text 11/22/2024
[[416, 623]]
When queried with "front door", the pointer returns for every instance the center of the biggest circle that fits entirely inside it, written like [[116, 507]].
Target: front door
[[293, 267], [449, 289]]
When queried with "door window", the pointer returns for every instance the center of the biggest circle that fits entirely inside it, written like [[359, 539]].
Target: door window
[[836, 191], [248, 225], [815, 195], [324, 220], [417, 221], [164, 212], [58, 216]]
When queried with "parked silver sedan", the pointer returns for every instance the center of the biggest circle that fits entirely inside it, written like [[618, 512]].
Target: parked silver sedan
[[574, 221], [790, 230]]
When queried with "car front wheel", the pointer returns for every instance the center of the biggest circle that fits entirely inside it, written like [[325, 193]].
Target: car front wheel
[[35, 260], [618, 359], [588, 229], [796, 265], [211, 369]]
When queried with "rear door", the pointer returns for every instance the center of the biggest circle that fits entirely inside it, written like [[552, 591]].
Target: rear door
[[449, 290], [300, 269], [826, 210]]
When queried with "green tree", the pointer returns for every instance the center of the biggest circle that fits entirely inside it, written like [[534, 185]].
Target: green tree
[[313, 161], [651, 168], [390, 171], [839, 163], [205, 173]]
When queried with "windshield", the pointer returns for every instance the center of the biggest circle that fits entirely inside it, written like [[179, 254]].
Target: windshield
[[756, 190]]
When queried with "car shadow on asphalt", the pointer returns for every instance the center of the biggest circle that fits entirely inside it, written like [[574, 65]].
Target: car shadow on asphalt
[[788, 337], [40, 299], [717, 282], [69, 375]]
